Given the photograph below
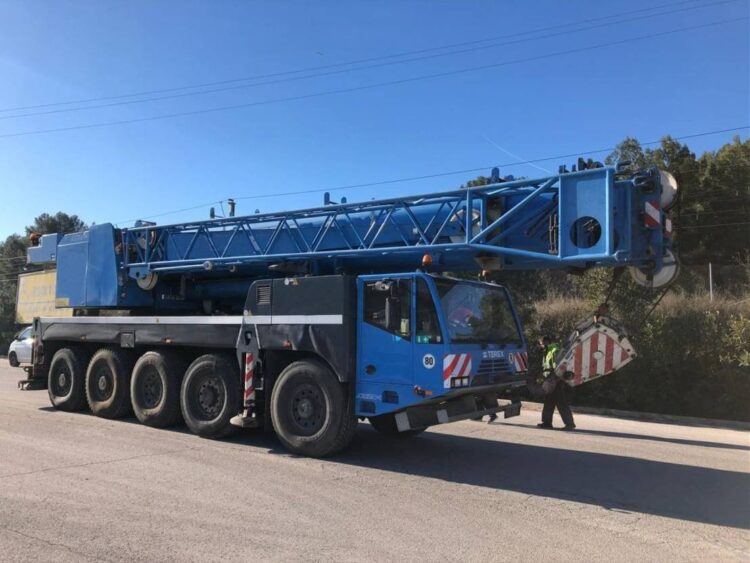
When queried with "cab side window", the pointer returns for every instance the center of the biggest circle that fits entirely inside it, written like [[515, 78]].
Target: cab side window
[[393, 296], [428, 327]]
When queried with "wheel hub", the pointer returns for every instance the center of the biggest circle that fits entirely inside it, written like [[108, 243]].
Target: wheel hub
[[305, 408], [151, 389], [308, 409], [104, 383], [62, 383], [210, 397]]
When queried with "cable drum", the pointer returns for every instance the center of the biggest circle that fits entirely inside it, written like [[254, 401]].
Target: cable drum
[[666, 275], [668, 189], [148, 281]]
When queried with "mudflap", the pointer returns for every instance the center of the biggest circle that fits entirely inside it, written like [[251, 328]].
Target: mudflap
[[596, 348]]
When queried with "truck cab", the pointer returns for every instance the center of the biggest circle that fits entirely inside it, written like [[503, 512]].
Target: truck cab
[[426, 340], [406, 351]]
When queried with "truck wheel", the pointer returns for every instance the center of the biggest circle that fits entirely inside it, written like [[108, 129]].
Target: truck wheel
[[211, 395], [310, 410], [155, 388], [386, 425], [66, 379], [108, 383]]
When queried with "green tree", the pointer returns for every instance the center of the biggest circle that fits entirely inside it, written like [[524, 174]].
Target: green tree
[[58, 223], [629, 149], [715, 219]]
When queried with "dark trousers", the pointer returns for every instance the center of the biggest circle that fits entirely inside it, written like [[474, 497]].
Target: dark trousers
[[558, 398]]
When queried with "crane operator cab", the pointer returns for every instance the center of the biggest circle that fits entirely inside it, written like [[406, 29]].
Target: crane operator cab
[[453, 346]]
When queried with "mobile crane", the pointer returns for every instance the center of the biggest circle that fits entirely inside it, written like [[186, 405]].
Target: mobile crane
[[305, 321]]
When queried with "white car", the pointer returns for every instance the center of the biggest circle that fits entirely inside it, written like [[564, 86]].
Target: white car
[[20, 349]]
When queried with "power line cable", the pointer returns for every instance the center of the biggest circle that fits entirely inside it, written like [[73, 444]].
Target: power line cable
[[719, 212], [348, 63], [367, 86], [347, 70], [435, 175], [691, 227], [713, 198]]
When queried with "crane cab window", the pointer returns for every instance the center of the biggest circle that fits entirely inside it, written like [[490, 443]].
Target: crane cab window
[[428, 327], [387, 304]]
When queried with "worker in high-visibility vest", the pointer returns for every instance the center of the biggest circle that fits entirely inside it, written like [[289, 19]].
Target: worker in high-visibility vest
[[556, 389]]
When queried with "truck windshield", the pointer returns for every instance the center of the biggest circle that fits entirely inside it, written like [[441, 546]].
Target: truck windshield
[[477, 313]]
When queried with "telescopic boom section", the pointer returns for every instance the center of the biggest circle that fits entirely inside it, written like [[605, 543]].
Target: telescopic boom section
[[593, 217], [575, 220]]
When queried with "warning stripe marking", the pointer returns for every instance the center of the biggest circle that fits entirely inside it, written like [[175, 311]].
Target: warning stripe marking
[[609, 353], [618, 358], [249, 393], [455, 366], [652, 215], [523, 364], [449, 363], [598, 354]]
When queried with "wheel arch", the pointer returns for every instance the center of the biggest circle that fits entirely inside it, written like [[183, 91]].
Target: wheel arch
[[274, 362]]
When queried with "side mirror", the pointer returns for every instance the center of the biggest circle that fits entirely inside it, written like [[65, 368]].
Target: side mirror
[[392, 314]]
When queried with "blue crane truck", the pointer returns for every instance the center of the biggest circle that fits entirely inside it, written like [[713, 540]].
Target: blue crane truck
[[304, 322]]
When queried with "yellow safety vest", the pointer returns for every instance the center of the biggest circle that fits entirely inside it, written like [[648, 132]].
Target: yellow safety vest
[[548, 361]]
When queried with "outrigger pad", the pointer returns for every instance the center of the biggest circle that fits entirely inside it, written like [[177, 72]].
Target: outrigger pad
[[596, 348]]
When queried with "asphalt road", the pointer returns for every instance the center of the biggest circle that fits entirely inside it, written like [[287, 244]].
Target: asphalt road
[[76, 487]]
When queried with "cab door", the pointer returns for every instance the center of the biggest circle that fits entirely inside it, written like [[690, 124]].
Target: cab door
[[429, 341], [385, 340]]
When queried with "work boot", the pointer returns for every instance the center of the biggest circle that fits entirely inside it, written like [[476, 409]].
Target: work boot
[[493, 418], [568, 427], [544, 425]]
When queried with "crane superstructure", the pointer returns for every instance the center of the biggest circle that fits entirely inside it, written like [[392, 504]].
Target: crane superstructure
[[303, 321]]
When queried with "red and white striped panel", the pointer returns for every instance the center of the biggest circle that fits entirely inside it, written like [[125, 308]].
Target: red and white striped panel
[[249, 393], [455, 366], [597, 353], [652, 214], [519, 360]]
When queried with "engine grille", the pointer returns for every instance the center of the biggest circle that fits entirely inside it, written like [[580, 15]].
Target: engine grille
[[492, 370], [493, 366]]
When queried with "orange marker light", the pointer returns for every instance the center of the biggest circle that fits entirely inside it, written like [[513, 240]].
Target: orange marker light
[[426, 260]]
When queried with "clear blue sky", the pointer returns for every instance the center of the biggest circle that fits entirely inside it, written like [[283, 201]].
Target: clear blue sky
[[56, 51]]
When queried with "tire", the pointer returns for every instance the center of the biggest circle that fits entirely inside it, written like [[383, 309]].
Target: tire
[[211, 395], [66, 379], [155, 388], [13, 360], [311, 412], [108, 383], [386, 425]]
